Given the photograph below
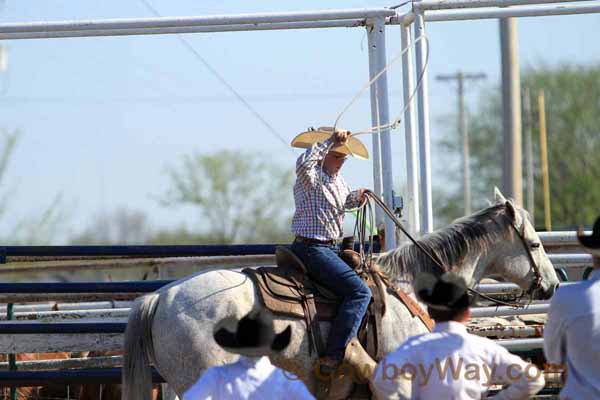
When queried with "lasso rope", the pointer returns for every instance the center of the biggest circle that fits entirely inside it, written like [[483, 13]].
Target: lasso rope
[[396, 121], [377, 128]]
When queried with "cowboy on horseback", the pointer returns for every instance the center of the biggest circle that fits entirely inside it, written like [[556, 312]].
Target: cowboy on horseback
[[321, 196]]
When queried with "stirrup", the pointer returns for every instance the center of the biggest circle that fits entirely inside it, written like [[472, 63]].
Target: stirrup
[[361, 363]]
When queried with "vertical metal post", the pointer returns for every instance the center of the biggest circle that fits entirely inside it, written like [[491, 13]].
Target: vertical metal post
[[380, 116], [527, 128], [12, 358], [376, 146], [410, 134], [511, 104], [424, 145]]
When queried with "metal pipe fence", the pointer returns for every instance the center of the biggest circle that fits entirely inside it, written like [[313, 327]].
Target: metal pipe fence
[[427, 5]]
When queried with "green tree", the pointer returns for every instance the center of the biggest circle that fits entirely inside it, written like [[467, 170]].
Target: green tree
[[573, 122], [240, 197], [124, 226], [119, 227]]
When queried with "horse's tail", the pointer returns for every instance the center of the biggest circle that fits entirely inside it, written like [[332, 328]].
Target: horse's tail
[[139, 350]]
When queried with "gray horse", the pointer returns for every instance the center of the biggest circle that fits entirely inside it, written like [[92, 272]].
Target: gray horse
[[173, 327]]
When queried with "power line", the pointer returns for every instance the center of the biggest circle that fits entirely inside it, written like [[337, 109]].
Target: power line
[[221, 79]]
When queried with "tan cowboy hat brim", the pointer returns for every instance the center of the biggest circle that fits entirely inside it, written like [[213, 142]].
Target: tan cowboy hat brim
[[353, 147]]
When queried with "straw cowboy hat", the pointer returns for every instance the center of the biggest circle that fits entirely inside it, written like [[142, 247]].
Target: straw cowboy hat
[[353, 146], [592, 242], [254, 335], [446, 292]]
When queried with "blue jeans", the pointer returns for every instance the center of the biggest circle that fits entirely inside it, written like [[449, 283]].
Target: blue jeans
[[326, 268]]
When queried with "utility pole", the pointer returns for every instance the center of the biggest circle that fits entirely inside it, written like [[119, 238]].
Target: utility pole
[[512, 182], [460, 77]]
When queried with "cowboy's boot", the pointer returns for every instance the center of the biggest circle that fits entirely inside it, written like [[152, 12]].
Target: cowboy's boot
[[334, 380], [340, 387], [359, 361]]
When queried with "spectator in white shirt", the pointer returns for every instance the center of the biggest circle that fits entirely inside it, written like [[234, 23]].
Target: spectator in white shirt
[[450, 363], [252, 376], [572, 332]]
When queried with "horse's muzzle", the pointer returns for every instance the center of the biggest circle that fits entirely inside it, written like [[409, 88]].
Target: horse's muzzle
[[548, 293]]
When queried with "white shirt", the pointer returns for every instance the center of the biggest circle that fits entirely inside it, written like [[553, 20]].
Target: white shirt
[[248, 378], [452, 364], [572, 337]]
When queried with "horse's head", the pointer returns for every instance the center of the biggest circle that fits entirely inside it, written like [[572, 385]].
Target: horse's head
[[522, 258]]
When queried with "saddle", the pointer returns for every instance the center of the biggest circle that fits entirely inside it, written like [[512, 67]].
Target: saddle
[[287, 290]]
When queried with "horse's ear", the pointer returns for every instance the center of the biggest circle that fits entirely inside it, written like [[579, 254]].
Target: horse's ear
[[498, 196], [514, 214]]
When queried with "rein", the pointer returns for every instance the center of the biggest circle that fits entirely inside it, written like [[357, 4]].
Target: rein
[[436, 260]]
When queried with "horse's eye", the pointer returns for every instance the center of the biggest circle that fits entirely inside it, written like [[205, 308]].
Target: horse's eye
[[535, 246]]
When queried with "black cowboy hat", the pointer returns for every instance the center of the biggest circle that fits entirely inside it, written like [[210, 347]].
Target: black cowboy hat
[[590, 241], [446, 292], [254, 335]]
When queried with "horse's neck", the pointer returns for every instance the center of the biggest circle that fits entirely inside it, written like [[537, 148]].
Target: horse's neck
[[410, 260], [467, 268]]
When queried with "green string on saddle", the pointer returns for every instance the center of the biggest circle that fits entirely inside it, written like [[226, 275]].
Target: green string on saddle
[[371, 229]]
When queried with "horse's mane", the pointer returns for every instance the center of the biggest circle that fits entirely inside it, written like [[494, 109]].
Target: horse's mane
[[477, 232]]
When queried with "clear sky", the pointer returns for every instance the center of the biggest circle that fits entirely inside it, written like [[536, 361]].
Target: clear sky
[[101, 118]]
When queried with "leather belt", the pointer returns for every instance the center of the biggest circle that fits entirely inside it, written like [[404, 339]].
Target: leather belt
[[302, 239]]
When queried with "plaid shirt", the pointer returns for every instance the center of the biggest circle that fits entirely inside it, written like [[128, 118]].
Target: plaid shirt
[[320, 202]]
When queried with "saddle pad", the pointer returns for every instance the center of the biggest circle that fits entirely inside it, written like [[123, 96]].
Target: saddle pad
[[281, 295]]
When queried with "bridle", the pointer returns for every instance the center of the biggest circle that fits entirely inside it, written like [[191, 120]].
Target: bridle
[[536, 284]]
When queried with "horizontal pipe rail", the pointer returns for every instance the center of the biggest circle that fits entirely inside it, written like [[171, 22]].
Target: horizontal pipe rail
[[66, 377], [83, 287], [426, 5], [525, 11], [66, 253], [48, 316], [528, 331], [351, 23], [96, 305], [212, 20], [86, 362], [139, 251], [521, 344], [571, 260], [76, 291], [59, 342], [505, 288], [223, 262], [67, 297], [478, 312], [560, 238], [18, 328]]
